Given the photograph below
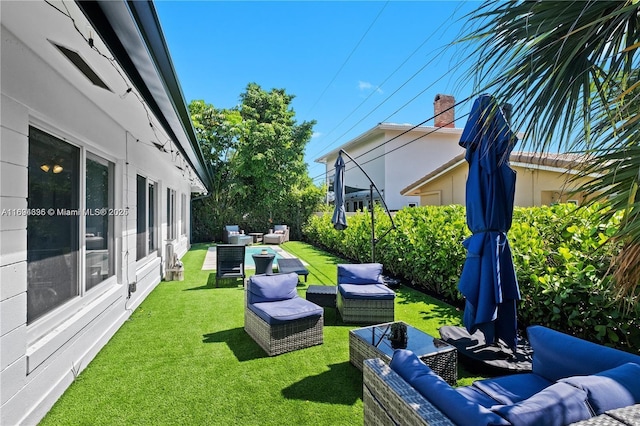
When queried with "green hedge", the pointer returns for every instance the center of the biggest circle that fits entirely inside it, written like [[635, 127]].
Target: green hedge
[[561, 254]]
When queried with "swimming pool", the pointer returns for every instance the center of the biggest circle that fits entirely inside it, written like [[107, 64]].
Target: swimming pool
[[250, 251]]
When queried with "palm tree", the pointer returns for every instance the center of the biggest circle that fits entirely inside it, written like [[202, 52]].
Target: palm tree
[[571, 72]]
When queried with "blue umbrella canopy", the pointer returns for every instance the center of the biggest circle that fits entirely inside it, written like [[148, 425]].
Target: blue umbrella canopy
[[339, 218], [488, 280]]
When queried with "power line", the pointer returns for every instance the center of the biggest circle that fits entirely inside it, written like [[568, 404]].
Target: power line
[[402, 134], [348, 58]]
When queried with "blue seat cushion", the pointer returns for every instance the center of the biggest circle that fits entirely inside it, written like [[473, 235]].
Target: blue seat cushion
[[360, 273], [284, 311], [454, 405], [272, 288], [369, 291], [557, 355], [476, 395], [610, 389], [558, 405], [511, 389]]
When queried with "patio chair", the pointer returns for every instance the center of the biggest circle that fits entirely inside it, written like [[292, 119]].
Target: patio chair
[[278, 235], [362, 294], [277, 319], [230, 261], [230, 230]]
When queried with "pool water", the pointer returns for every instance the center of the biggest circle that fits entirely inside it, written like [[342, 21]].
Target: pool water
[[250, 251]]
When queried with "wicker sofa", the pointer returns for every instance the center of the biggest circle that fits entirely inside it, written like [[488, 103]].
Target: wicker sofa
[[573, 382], [277, 319], [362, 295]]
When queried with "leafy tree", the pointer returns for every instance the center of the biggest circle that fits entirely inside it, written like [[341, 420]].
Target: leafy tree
[[570, 70], [270, 157], [217, 131], [256, 152]]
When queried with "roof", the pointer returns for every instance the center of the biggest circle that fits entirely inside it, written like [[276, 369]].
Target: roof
[[380, 129], [131, 30], [562, 163]]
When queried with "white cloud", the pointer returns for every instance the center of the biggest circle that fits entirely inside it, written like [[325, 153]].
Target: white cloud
[[365, 86], [316, 135]]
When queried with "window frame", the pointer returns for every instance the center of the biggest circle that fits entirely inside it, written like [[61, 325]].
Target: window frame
[[58, 314]]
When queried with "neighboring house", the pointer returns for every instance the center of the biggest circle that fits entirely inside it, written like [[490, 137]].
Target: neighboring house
[[542, 179], [98, 162], [394, 155]]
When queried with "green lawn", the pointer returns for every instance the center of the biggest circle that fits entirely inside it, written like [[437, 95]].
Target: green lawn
[[183, 358]]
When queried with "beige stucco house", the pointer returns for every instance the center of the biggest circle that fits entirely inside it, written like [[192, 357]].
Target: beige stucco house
[[541, 180], [394, 155]]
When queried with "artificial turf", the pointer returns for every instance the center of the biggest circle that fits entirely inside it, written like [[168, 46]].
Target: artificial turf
[[183, 358]]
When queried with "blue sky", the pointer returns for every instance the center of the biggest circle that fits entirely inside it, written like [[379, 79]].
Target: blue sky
[[350, 65]]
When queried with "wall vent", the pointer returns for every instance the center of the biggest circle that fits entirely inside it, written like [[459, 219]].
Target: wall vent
[[82, 65]]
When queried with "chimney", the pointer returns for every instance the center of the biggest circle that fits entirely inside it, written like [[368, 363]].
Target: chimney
[[444, 111]]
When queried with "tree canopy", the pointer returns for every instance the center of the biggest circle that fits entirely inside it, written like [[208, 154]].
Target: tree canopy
[[256, 151]]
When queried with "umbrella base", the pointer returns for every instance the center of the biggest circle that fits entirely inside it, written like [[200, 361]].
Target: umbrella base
[[479, 357]]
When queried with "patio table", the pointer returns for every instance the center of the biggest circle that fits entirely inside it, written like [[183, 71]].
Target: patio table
[[373, 342]]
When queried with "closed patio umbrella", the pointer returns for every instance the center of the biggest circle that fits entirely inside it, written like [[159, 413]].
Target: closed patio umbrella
[[488, 280], [339, 218]]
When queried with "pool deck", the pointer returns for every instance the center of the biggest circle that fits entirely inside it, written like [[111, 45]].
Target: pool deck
[[209, 263]]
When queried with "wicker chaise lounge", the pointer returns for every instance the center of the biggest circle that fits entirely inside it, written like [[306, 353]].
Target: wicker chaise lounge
[[362, 296], [277, 318]]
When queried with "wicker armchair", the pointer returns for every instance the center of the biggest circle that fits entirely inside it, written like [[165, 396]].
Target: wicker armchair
[[230, 230], [362, 295], [277, 319]]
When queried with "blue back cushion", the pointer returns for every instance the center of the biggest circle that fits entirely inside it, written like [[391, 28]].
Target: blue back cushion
[[272, 288], [445, 398], [557, 355], [360, 273], [610, 389], [558, 405], [233, 228]]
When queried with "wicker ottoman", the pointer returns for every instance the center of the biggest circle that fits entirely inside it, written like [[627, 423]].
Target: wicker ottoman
[[245, 240]]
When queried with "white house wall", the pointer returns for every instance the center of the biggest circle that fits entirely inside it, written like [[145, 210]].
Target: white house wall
[[407, 158], [40, 360]]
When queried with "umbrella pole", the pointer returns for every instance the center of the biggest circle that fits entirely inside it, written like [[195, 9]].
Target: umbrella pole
[[373, 227]]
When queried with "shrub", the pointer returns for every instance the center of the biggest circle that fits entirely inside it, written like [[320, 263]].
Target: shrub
[[561, 253]]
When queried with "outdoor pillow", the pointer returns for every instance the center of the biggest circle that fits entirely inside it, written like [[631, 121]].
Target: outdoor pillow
[[559, 404], [615, 388], [455, 406], [360, 273], [285, 311], [557, 355], [270, 288]]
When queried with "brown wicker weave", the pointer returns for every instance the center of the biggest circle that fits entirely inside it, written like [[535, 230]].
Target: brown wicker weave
[[365, 311], [287, 337], [443, 361], [389, 400]]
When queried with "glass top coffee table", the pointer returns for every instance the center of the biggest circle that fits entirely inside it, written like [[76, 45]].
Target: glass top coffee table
[[375, 342]]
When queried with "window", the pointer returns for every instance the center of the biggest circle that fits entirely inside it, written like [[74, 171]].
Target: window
[[146, 240], [66, 213], [171, 214], [52, 233], [99, 241], [184, 215]]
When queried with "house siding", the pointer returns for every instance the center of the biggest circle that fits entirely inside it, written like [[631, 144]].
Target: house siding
[[38, 361]]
